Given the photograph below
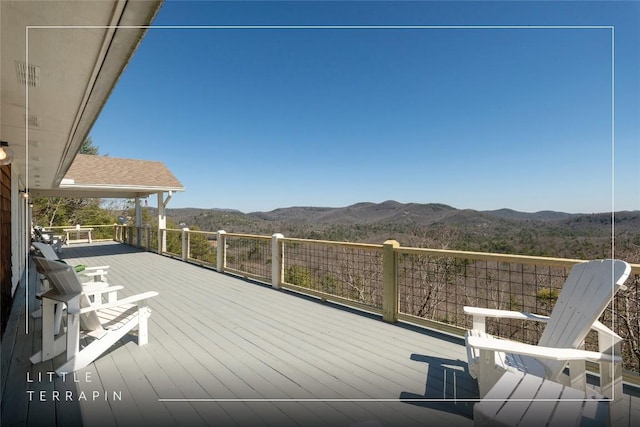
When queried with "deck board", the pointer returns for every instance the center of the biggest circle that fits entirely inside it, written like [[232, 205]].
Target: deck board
[[214, 336]]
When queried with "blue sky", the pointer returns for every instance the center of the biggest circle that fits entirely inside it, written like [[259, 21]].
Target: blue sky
[[256, 119]]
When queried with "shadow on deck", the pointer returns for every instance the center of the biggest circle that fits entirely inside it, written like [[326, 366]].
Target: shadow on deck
[[227, 352]]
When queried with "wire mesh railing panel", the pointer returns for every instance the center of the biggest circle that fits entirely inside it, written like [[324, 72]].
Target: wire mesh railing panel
[[438, 287], [202, 247], [624, 318], [250, 255], [174, 242], [98, 232], [352, 272], [102, 232], [152, 241]]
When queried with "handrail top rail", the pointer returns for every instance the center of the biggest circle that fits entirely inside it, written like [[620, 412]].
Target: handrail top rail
[[333, 243], [491, 256], [83, 226], [248, 236], [488, 256], [211, 233]]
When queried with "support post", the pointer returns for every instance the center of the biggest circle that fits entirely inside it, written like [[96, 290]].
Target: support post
[[221, 251], [162, 221], [185, 244], [277, 260], [138, 222], [611, 377], [389, 282]]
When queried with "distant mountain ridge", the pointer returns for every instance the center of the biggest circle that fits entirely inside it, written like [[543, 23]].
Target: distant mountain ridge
[[359, 213], [526, 216], [392, 212], [435, 225]]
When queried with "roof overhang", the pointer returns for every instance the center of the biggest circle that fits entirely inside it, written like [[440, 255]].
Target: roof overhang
[[72, 71], [103, 192], [112, 177]]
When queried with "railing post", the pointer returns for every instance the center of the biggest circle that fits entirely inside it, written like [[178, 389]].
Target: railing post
[[389, 282], [162, 241], [221, 251], [185, 244], [277, 260]]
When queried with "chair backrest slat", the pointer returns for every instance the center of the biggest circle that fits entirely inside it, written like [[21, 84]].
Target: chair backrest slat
[[46, 250], [63, 278], [583, 298]]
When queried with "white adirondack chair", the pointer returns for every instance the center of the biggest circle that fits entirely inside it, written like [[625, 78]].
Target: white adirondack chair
[[98, 273], [584, 296], [48, 238], [102, 324]]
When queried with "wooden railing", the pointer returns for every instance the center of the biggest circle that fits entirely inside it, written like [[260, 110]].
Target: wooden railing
[[99, 233], [422, 286]]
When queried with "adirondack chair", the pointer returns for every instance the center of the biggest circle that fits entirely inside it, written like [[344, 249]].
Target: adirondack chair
[[584, 296], [102, 324], [48, 237], [98, 273]]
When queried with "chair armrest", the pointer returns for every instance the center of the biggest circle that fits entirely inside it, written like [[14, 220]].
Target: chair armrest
[[480, 314], [484, 343], [100, 267], [505, 314], [55, 296], [94, 274], [98, 288], [124, 301], [604, 330]]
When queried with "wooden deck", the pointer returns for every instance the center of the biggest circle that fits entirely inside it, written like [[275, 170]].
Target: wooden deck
[[227, 352]]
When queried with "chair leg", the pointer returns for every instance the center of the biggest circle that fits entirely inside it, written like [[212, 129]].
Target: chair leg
[[73, 329], [92, 351], [58, 317], [488, 374], [143, 325], [48, 328]]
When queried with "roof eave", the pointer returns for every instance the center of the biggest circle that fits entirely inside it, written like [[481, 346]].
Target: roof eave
[[111, 68], [104, 191]]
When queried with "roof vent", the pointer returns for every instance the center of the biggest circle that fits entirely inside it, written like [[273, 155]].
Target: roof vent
[[28, 74], [33, 120]]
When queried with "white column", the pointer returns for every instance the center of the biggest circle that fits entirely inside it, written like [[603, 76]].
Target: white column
[[138, 221], [221, 250], [277, 260], [185, 244], [162, 224]]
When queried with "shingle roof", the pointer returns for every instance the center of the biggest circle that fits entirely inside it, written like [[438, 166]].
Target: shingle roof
[[89, 170]]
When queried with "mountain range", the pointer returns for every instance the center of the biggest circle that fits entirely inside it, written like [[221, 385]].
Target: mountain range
[[433, 225]]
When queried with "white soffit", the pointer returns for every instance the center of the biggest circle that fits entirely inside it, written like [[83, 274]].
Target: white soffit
[[69, 74]]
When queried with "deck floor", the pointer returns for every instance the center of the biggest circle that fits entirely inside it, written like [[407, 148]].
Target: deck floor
[[228, 352]]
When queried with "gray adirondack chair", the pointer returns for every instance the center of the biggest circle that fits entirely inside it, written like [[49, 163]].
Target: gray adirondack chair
[[102, 324], [98, 273]]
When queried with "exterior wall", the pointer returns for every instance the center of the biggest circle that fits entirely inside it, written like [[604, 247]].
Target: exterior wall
[[20, 233], [6, 291], [14, 240]]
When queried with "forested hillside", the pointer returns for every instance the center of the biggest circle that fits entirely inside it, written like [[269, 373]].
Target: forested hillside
[[544, 233]]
